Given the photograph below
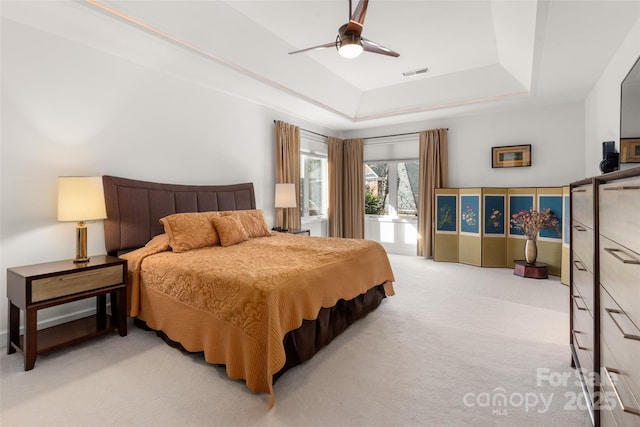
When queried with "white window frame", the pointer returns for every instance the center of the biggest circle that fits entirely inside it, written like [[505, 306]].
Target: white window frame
[[305, 188], [314, 145]]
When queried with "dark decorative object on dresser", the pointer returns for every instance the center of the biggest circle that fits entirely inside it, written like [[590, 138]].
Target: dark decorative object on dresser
[[605, 295], [610, 159]]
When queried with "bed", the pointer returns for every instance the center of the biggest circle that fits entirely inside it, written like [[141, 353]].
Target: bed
[[209, 276]]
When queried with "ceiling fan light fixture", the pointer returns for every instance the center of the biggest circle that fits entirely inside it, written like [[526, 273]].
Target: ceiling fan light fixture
[[350, 47]]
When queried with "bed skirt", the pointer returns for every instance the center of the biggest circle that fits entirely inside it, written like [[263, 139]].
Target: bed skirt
[[302, 343]]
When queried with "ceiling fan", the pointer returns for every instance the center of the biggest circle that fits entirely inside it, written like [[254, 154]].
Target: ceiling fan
[[349, 41]]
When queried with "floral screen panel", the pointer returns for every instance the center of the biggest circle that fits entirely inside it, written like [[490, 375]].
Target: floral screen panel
[[566, 221], [519, 203], [494, 215], [446, 213], [553, 202], [470, 214]]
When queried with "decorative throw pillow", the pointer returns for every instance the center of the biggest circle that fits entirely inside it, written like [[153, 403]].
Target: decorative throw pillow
[[253, 222], [230, 230], [190, 230]]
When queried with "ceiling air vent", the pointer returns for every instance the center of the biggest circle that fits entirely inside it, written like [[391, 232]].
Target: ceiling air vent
[[417, 72]]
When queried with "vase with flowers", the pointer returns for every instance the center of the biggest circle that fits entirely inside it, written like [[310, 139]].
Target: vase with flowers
[[530, 223]]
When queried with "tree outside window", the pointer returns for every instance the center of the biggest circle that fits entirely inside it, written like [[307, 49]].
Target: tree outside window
[[391, 188]]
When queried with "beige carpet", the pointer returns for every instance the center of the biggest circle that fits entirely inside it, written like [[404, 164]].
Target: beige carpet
[[457, 346]]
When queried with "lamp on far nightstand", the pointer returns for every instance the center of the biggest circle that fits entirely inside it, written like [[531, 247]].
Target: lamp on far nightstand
[[285, 199], [81, 199]]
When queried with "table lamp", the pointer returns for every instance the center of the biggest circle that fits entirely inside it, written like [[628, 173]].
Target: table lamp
[[285, 198], [81, 199]]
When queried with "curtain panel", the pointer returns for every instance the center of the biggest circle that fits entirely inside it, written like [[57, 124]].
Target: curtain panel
[[334, 161], [353, 188], [288, 169], [434, 173]]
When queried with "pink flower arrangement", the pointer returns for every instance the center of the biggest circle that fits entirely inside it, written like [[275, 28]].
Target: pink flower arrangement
[[531, 222]]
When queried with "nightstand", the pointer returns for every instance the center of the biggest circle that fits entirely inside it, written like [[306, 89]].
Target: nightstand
[[299, 231], [34, 287]]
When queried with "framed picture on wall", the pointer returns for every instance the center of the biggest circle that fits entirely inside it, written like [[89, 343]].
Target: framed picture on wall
[[511, 156], [630, 150]]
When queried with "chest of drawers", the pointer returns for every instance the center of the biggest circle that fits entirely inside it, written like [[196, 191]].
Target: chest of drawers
[[605, 284]]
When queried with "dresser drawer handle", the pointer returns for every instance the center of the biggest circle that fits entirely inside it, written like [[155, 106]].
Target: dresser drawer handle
[[575, 340], [575, 300], [579, 228], [579, 265], [614, 253], [622, 187], [624, 407], [579, 190], [87, 274], [611, 312]]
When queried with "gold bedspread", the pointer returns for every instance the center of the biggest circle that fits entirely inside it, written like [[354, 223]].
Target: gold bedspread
[[236, 303]]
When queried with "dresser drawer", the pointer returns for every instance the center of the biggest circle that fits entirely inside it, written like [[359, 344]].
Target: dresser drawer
[[619, 206], [621, 405], [583, 331], [582, 244], [606, 418], [579, 304], [583, 284], [623, 339], [583, 345], [620, 275], [582, 204], [73, 283]]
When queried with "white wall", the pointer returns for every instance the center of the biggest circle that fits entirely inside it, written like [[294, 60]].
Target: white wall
[[68, 109], [602, 111], [556, 135]]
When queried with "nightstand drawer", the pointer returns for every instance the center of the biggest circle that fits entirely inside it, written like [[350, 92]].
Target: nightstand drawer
[[72, 283]]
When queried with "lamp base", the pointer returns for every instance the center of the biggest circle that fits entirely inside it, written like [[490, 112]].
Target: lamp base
[[81, 243]]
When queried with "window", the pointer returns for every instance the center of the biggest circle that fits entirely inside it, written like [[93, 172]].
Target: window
[[391, 188], [313, 185]]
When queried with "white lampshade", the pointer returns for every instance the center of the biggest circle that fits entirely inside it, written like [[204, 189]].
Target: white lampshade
[[286, 196], [80, 198]]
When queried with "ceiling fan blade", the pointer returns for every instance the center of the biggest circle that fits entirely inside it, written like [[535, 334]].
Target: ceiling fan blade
[[357, 18], [322, 46], [374, 47]]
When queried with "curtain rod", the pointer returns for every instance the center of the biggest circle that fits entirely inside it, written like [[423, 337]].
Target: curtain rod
[[310, 131], [369, 137], [397, 134]]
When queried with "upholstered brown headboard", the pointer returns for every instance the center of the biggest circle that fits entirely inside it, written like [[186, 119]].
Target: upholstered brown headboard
[[134, 208]]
